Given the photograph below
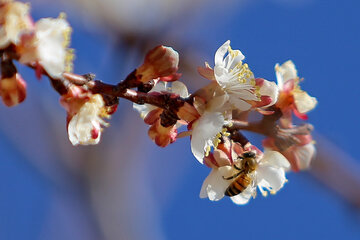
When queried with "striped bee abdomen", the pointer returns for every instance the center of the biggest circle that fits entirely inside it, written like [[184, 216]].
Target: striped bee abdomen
[[238, 185]]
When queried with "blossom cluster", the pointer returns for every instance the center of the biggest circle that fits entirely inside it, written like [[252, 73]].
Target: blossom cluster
[[216, 113], [43, 45], [214, 116]]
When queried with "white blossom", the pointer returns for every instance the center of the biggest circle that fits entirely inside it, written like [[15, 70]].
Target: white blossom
[[234, 77], [14, 20], [285, 72], [205, 133], [48, 46], [269, 175], [85, 126], [288, 82]]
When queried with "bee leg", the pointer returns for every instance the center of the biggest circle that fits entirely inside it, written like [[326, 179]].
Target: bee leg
[[233, 176], [236, 167]]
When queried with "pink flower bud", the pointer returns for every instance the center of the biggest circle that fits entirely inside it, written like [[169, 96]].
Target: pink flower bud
[[13, 90], [160, 62], [161, 135]]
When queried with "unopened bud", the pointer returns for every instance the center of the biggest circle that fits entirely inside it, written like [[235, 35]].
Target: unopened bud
[[86, 125], [159, 62], [13, 90], [162, 136]]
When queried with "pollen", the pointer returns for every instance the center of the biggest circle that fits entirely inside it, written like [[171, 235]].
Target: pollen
[[233, 53], [225, 132], [208, 148], [66, 35], [257, 92], [244, 74], [69, 58]]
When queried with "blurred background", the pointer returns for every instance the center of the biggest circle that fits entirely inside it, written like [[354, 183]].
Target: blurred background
[[128, 188]]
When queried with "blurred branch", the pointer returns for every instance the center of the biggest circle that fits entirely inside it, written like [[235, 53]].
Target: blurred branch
[[337, 170]]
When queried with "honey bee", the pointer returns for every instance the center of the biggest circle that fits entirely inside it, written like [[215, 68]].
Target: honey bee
[[242, 178]]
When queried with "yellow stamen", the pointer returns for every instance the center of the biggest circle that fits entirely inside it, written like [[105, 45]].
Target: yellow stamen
[[62, 15], [233, 53], [208, 148]]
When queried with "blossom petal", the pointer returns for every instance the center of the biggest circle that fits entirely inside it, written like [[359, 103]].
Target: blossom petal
[[243, 197], [207, 72], [179, 88], [304, 102], [48, 46], [144, 109], [240, 104], [270, 177], [159, 87], [270, 89], [214, 186], [51, 51], [85, 126], [285, 72], [216, 103], [204, 131], [275, 158], [220, 53], [221, 75], [14, 20], [305, 154], [81, 130]]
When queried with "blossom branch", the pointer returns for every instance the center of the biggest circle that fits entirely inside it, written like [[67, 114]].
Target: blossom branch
[[169, 102], [43, 46], [166, 101]]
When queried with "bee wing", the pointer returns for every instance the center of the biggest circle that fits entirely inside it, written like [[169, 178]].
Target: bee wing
[[253, 185]]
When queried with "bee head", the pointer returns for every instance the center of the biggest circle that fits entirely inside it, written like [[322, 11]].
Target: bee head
[[249, 161], [249, 154]]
